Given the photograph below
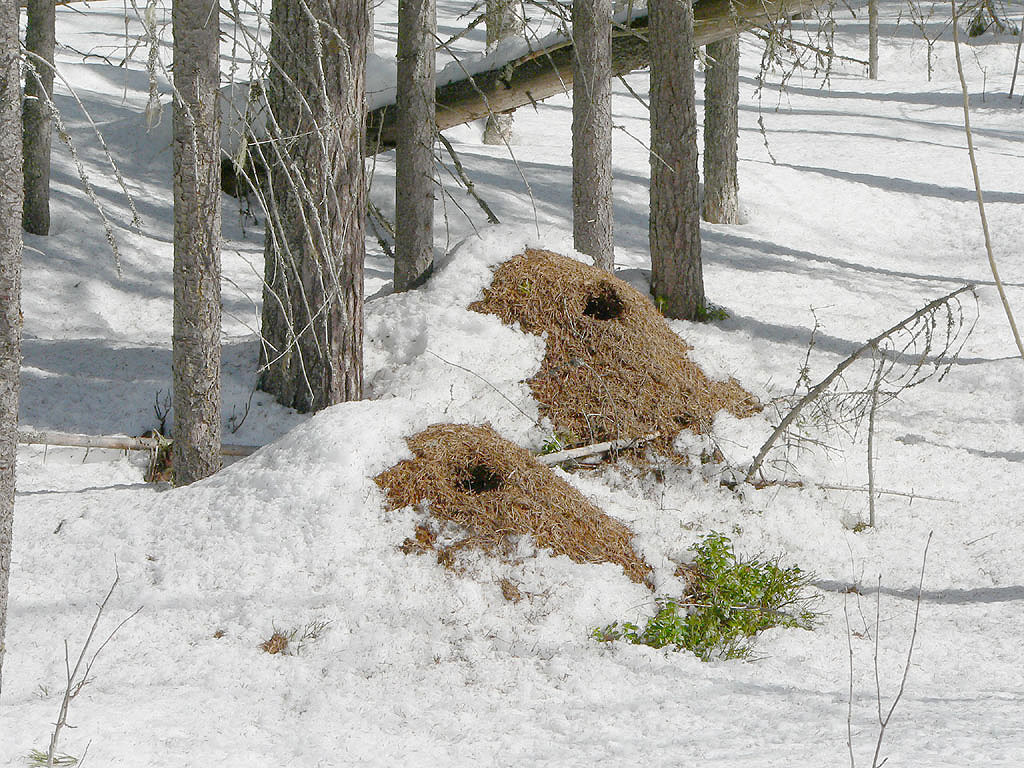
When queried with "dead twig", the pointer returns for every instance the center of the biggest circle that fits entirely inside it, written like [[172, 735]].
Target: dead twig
[[466, 181], [977, 184], [75, 681], [883, 722]]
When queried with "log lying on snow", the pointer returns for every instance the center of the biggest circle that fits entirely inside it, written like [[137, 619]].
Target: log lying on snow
[[124, 443], [116, 442], [542, 73]]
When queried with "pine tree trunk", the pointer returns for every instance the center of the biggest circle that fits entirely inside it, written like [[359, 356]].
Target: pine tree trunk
[[196, 342], [37, 131], [414, 150], [721, 132], [873, 39], [11, 192], [592, 132], [313, 293], [503, 20], [677, 283]]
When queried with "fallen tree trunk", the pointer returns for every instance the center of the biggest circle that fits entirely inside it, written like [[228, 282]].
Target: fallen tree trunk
[[542, 73], [116, 442]]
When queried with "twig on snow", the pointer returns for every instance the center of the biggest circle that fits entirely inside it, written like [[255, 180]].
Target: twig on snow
[[76, 682]]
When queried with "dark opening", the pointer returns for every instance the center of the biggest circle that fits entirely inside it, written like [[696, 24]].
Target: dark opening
[[481, 479], [241, 182], [604, 303]]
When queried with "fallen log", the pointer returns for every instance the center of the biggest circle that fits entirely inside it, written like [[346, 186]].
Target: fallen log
[[115, 442], [538, 74], [597, 449]]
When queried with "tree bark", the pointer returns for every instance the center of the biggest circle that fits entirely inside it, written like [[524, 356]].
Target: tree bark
[[313, 293], [873, 39], [503, 20], [721, 132], [592, 132], [197, 215], [36, 119], [11, 198], [677, 282], [414, 150]]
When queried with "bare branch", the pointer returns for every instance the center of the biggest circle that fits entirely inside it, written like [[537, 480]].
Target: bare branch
[[872, 345]]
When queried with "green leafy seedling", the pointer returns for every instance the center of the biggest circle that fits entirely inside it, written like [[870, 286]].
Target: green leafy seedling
[[735, 601]]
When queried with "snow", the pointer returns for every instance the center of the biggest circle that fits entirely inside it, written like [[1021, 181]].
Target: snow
[[867, 214]]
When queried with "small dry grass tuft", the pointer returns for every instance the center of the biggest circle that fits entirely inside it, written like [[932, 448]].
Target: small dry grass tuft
[[613, 368], [278, 643], [492, 488], [510, 591]]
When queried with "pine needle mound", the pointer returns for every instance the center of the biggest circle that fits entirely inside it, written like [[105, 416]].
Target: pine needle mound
[[613, 368], [493, 489]]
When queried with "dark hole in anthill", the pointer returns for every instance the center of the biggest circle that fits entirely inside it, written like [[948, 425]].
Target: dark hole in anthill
[[604, 303], [480, 479]]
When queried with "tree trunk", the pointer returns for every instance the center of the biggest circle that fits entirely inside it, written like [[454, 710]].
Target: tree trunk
[[503, 20], [37, 130], [592, 132], [677, 283], [11, 193], [313, 292], [414, 150], [196, 343], [873, 39], [721, 132]]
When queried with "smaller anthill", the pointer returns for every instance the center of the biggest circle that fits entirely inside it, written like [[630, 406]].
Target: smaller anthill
[[493, 489]]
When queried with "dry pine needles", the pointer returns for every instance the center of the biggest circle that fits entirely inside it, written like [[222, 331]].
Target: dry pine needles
[[613, 368], [493, 489]]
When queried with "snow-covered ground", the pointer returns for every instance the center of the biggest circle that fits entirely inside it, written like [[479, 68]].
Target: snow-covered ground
[[866, 213]]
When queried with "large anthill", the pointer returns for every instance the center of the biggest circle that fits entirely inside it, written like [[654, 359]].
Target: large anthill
[[613, 368]]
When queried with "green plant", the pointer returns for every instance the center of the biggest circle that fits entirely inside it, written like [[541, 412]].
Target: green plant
[[291, 642], [558, 441], [39, 759], [706, 313], [733, 601], [709, 313]]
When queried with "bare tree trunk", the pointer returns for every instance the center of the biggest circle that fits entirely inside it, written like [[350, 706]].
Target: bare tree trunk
[[677, 283], [196, 343], [873, 39], [313, 293], [36, 120], [592, 132], [414, 150], [721, 132], [504, 20], [11, 192]]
